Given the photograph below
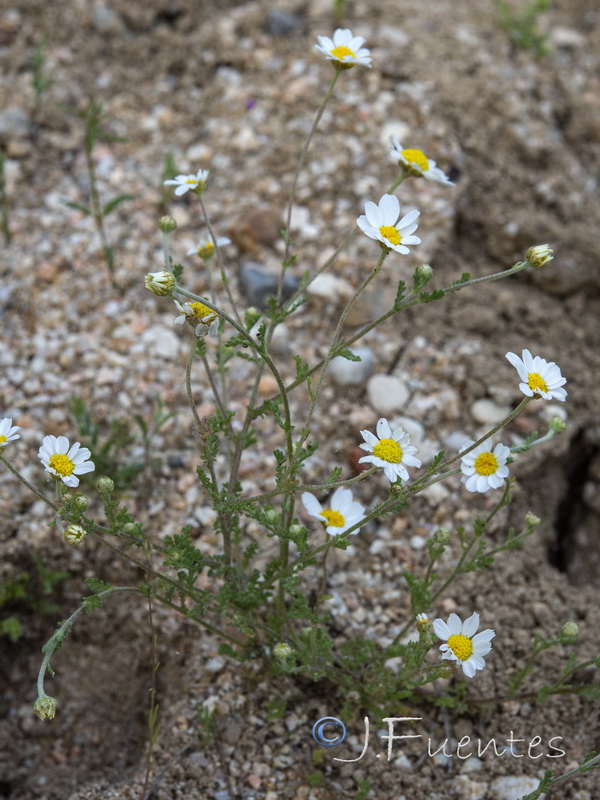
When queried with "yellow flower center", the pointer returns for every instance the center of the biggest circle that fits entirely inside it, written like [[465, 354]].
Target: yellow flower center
[[416, 157], [61, 464], [388, 450], [390, 233], [203, 312], [334, 518], [486, 464], [461, 646], [192, 181], [206, 250], [3, 439], [536, 383], [342, 51]]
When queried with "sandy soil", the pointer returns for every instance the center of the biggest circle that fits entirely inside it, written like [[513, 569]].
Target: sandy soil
[[218, 86]]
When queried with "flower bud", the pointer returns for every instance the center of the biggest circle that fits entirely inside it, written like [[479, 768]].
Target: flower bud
[[45, 707], [570, 630], [74, 534], [422, 275], [557, 425], [130, 528], [81, 503], [167, 224], [532, 520], [160, 283], [251, 317], [423, 622], [539, 255], [441, 536], [282, 651], [105, 485]]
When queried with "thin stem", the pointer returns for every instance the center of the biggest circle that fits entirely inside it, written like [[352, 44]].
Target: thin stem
[[64, 630], [188, 387], [300, 164], [409, 302], [96, 205], [488, 435], [338, 330], [216, 394], [26, 483]]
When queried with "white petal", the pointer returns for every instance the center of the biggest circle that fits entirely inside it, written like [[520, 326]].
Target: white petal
[[383, 429], [311, 504], [409, 218], [373, 214], [390, 209], [441, 629], [341, 498], [470, 625], [454, 624]]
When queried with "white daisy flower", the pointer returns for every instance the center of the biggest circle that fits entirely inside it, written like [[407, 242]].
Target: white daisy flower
[[160, 283], [343, 513], [206, 249], [461, 645], [344, 48], [389, 450], [482, 468], [381, 222], [64, 461], [417, 163], [8, 431], [540, 378], [203, 319], [186, 182]]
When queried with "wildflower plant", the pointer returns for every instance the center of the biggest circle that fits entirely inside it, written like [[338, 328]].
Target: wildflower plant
[[268, 601]]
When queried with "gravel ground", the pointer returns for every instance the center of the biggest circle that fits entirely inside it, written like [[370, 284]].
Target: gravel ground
[[221, 88]]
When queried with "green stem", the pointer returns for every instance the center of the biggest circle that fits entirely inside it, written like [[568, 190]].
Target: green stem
[[64, 630], [26, 483]]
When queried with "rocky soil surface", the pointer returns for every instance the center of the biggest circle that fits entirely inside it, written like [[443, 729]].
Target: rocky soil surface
[[234, 87]]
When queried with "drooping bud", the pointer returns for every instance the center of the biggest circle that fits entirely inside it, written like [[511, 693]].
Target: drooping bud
[[45, 707]]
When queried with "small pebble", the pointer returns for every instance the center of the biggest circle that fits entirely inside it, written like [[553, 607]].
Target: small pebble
[[387, 394]]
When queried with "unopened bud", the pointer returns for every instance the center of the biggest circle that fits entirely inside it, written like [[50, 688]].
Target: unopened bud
[[251, 317], [167, 224], [105, 485], [282, 651], [81, 503], [45, 707], [532, 520], [422, 275], [441, 536], [570, 630], [539, 255], [557, 425], [130, 528]]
